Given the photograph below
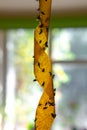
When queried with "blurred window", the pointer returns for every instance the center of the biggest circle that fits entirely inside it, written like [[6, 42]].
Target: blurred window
[[68, 52], [69, 58]]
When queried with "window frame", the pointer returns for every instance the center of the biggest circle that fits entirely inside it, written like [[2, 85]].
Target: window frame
[[60, 21]]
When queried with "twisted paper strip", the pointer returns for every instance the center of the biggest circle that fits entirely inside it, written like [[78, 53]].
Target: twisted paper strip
[[45, 112]]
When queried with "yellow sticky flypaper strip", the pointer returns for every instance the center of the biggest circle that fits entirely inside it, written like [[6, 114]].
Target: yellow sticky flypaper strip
[[45, 112]]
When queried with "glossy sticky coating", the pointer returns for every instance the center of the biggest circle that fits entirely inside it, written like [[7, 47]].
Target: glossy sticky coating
[[45, 112]]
